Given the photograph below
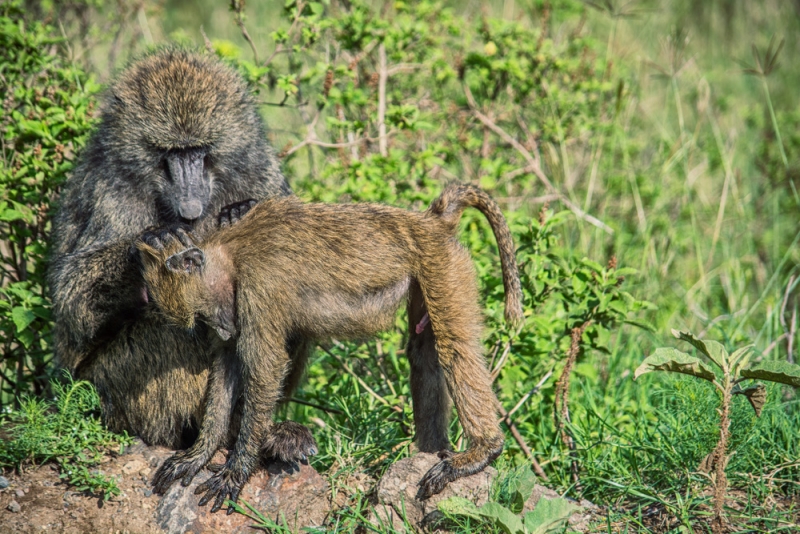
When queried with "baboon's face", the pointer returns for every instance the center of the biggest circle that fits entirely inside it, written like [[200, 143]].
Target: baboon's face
[[174, 282], [179, 124]]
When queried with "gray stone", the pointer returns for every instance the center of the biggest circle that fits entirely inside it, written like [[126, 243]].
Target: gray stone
[[300, 498], [13, 506], [4, 483], [396, 494]]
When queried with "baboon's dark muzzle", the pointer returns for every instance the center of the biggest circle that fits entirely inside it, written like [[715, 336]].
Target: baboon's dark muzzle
[[191, 189]]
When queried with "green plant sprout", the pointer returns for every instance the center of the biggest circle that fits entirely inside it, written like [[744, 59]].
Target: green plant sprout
[[735, 368], [549, 515]]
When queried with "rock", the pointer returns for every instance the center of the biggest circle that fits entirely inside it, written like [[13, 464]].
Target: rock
[[4, 483], [19, 493], [134, 466], [396, 493], [13, 506], [300, 496]]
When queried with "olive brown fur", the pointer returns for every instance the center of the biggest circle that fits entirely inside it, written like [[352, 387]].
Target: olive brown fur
[[289, 269], [179, 138]]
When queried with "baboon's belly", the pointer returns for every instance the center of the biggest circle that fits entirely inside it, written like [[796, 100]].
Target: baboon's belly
[[346, 315]]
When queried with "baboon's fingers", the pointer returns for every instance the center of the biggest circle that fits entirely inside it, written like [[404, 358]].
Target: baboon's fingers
[[219, 487], [185, 237], [174, 468], [231, 213], [436, 479], [159, 238], [234, 498], [215, 468]]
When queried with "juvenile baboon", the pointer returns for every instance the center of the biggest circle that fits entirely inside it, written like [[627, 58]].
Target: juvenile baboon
[[315, 271], [179, 138]]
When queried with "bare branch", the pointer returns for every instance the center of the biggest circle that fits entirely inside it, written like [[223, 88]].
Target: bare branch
[[312, 139], [238, 7], [533, 163], [383, 76], [522, 445], [535, 389]]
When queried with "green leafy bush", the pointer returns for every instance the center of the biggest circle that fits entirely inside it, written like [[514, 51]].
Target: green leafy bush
[[47, 114]]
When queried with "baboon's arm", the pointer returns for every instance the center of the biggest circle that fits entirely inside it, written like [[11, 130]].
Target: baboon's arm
[[98, 287], [223, 387], [264, 364]]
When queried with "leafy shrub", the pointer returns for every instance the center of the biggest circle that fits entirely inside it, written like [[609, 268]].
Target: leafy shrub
[[47, 114]]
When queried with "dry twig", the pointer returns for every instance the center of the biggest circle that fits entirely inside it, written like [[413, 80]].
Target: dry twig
[[533, 163]]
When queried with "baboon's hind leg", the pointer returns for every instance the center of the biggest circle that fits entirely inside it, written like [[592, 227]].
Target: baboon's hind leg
[[289, 442], [451, 296], [429, 396]]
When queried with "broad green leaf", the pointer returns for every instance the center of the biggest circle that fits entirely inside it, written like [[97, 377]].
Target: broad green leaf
[[549, 515], [503, 517], [578, 285], [459, 506], [775, 371], [522, 490], [22, 318], [669, 359], [756, 394], [592, 264], [711, 349]]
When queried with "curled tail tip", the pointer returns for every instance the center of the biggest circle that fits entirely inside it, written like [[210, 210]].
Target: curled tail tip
[[513, 313]]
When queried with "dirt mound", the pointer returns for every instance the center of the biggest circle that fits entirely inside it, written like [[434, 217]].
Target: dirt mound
[[38, 500]]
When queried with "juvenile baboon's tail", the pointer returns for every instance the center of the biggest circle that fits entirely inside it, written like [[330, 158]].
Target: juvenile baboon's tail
[[451, 204]]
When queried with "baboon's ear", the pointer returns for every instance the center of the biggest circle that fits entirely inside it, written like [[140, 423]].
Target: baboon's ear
[[187, 261]]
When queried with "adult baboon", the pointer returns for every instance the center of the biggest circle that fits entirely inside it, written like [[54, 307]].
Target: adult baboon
[[179, 138], [315, 271]]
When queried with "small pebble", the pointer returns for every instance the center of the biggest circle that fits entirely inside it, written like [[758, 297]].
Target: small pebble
[[148, 493], [4, 482], [19, 493], [14, 506]]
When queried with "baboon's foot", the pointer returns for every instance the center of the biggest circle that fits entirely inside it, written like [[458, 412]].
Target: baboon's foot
[[226, 483], [456, 465], [289, 442], [181, 465], [231, 213]]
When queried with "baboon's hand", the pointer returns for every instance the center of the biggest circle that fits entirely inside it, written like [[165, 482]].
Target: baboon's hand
[[231, 213], [179, 465], [160, 237], [225, 482]]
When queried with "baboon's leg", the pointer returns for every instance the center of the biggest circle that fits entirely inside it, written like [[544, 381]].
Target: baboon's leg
[[429, 396], [451, 296], [224, 386], [288, 441], [152, 379], [299, 350]]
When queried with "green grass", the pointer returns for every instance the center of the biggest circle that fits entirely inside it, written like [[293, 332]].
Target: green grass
[[66, 430]]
